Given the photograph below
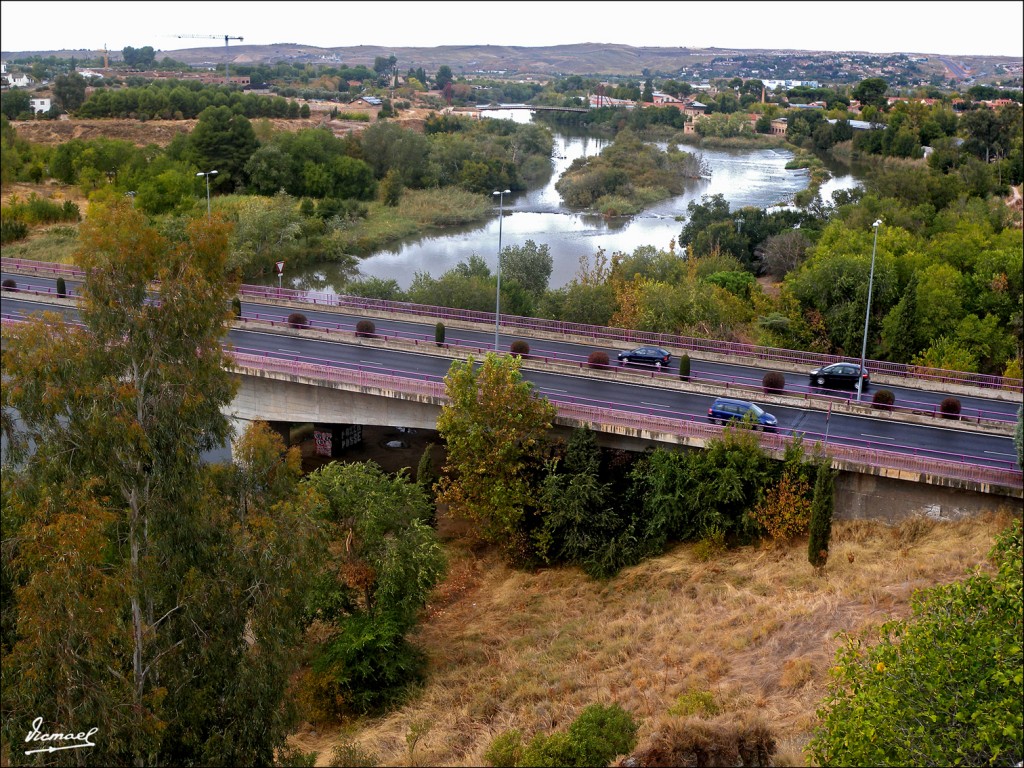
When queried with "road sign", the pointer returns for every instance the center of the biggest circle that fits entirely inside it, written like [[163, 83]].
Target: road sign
[[280, 267]]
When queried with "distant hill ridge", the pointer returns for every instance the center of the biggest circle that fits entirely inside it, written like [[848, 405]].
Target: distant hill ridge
[[576, 59]]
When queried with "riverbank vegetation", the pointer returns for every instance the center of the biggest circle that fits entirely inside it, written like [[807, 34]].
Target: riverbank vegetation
[[628, 176], [304, 196], [948, 288]]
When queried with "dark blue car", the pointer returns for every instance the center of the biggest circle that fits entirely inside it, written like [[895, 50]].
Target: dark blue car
[[726, 409]]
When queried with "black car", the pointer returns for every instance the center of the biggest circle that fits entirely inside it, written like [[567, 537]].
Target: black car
[[726, 409], [841, 376], [655, 356]]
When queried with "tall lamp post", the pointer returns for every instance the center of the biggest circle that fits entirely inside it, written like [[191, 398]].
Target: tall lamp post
[[207, 174], [497, 301], [867, 312]]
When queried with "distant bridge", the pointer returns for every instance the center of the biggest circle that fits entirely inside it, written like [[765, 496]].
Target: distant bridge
[[532, 107]]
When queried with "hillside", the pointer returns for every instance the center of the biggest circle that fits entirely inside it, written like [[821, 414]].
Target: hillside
[[584, 59], [754, 629]]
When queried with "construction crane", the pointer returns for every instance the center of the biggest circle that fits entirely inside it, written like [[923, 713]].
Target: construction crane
[[217, 37]]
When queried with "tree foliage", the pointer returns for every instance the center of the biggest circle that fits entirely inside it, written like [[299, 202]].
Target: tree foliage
[[944, 687], [371, 597], [173, 590], [822, 504], [494, 427]]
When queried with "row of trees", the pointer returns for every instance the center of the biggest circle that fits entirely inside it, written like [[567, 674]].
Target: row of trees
[[183, 100], [542, 501]]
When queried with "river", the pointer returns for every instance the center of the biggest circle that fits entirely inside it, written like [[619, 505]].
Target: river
[[743, 177]]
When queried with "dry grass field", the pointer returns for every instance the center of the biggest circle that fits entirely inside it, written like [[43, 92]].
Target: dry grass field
[[746, 637]]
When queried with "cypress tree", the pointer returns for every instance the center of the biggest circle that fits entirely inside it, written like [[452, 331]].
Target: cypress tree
[[821, 516]]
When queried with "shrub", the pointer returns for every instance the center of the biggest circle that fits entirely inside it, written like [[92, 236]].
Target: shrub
[[551, 751], [520, 347], [711, 545], [773, 381], [694, 703], [62, 288], [595, 737], [12, 230], [439, 334], [9, 284], [298, 320], [601, 733], [370, 666], [883, 399], [505, 750], [296, 758], [950, 408], [236, 305], [785, 510], [684, 367], [597, 359], [366, 329], [351, 754]]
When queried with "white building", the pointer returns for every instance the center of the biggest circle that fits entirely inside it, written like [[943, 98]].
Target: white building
[[39, 105], [18, 81]]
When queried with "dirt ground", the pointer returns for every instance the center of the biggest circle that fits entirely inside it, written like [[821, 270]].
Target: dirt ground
[[162, 132]]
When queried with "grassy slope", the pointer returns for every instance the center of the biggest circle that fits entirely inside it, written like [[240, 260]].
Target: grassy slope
[[756, 628]]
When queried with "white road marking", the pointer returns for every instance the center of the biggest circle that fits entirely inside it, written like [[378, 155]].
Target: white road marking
[[877, 437], [1000, 453]]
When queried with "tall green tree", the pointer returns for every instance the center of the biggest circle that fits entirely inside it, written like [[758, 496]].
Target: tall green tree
[[871, 92], [177, 614], [222, 141], [529, 264], [494, 427], [69, 91]]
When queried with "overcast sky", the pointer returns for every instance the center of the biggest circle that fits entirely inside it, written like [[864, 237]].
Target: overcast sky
[[961, 27]]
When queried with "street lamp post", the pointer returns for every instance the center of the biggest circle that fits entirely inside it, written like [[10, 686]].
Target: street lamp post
[[867, 312], [207, 174], [497, 301]]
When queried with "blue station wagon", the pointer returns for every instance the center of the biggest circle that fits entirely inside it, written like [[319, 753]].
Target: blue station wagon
[[726, 409]]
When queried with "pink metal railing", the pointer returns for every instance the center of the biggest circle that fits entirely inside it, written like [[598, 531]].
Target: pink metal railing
[[417, 384], [614, 335]]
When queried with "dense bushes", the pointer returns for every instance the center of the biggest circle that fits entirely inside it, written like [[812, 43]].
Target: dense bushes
[[9, 284], [596, 737], [603, 511], [39, 210], [953, 669], [12, 230], [597, 359], [365, 329], [439, 334], [298, 320]]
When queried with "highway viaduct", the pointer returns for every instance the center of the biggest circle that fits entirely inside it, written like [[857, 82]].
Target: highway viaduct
[[293, 391]]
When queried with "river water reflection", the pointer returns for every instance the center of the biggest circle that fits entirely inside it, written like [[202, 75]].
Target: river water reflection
[[743, 177]]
